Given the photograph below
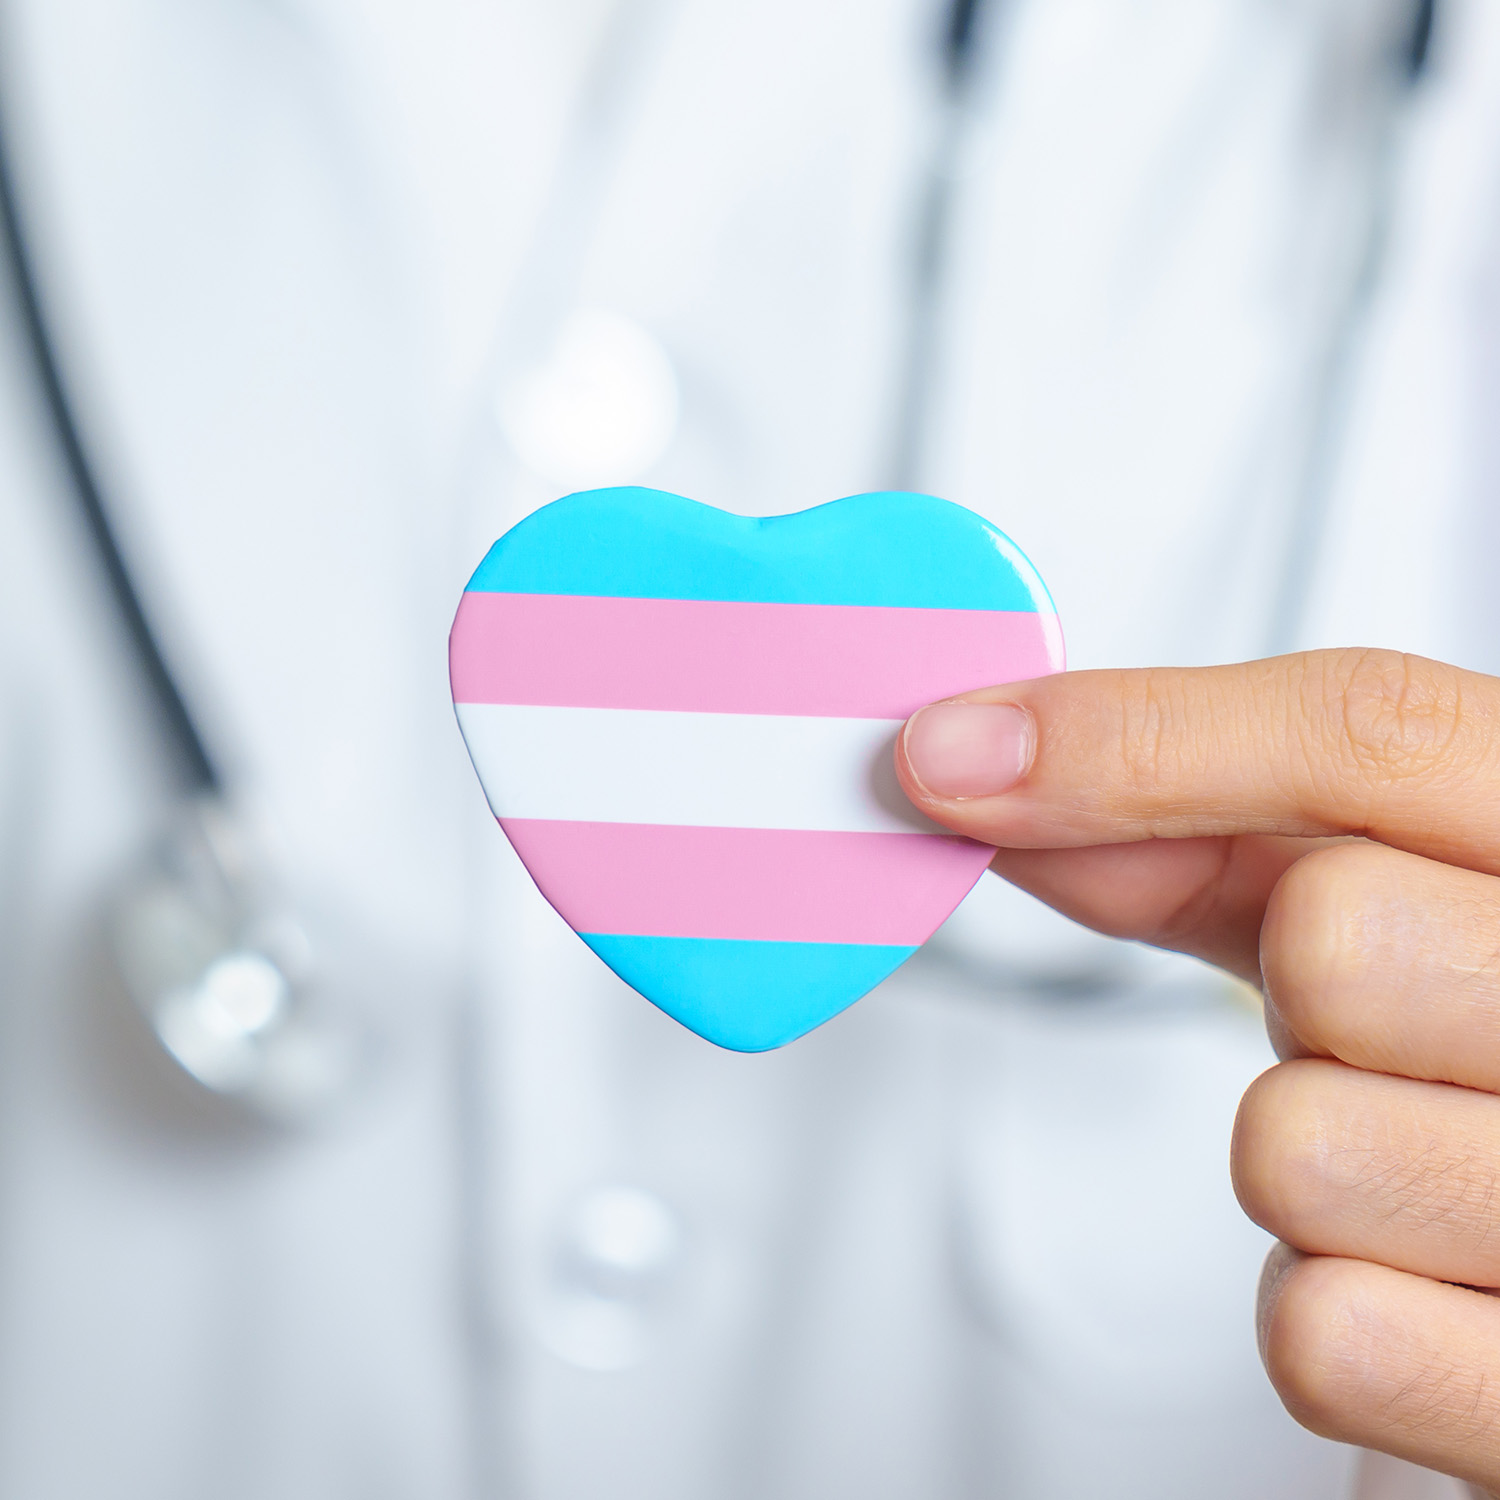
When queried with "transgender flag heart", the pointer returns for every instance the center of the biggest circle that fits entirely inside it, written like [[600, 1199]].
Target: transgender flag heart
[[684, 721]]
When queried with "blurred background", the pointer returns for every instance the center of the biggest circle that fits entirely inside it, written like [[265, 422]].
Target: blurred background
[[331, 1164]]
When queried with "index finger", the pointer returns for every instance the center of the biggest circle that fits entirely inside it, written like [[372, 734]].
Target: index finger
[[1392, 747]]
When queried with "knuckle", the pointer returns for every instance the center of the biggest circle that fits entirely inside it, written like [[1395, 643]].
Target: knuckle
[[1270, 1159], [1432, 1189], [1316, 947], [1346, 1365], [1177, 729], [1153, 713], [1441, 1397], [1333, 1159], [1315, 1354], [1338, 1161], [1389, 716]]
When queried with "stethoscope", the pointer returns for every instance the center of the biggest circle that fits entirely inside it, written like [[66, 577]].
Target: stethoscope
[[216, 957], [213, 953]]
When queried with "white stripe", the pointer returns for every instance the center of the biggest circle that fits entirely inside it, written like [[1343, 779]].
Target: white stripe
[[628, 765]]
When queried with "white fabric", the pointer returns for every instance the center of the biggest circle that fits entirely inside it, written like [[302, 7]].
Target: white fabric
[[973, 1239], [1381, 1477]]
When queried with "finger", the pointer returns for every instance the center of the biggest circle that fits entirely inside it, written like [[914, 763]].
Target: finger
[[1389, 962], [1396, 748], [1386, 1360], [1341, 1162], [1206, 897]]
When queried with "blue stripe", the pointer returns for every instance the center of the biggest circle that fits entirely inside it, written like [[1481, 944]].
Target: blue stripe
[[747, 996], [893, 549]]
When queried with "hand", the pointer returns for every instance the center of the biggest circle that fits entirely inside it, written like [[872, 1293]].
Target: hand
[[1193, 809]]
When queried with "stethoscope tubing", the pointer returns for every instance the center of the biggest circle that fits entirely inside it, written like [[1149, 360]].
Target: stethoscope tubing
[[186, 740]]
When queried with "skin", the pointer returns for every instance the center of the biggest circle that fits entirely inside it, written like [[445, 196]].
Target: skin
[[1326, 826]]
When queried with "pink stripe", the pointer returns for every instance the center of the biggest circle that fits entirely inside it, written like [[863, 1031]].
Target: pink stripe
[[749, 883], [697, 656]]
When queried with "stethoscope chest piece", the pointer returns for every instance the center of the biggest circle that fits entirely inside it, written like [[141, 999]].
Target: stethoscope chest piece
[[227, 977]]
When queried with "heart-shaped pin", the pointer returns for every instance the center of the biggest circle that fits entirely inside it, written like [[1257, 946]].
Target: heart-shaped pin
[[684, 721]]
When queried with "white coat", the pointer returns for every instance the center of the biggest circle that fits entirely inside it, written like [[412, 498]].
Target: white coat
[[315, 269]]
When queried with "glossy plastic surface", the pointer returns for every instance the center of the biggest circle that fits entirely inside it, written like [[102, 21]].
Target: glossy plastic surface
[[684, 721]]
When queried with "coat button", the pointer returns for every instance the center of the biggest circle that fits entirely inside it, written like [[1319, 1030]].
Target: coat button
[[600, 408], [618, 1257]]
